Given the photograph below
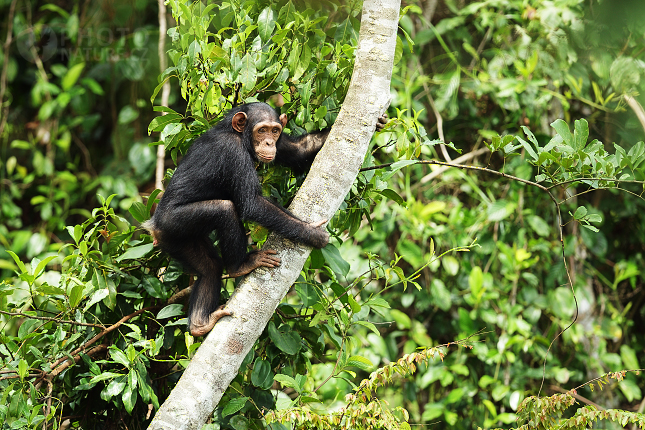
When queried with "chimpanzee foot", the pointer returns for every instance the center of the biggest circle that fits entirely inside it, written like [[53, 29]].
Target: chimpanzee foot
[[381, 122], [197, 329], [254, 260]]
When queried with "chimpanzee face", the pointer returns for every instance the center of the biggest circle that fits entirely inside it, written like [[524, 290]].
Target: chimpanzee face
[[265, 134], [265, 137]]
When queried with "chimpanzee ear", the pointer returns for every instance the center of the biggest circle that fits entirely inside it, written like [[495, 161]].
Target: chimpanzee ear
[[283, 120], [239, 121]]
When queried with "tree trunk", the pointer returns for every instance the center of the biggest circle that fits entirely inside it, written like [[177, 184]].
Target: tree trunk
[[218, 359]]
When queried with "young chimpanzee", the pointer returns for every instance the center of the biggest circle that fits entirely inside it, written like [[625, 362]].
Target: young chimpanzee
[[215, 187]]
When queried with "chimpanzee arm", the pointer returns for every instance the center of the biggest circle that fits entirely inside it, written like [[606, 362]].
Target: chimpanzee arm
[[298, 152], [244, 190], [284, 223], [281, 221]]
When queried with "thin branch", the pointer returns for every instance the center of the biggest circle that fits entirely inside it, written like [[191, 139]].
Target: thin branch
[[4, 111], [108, 330], [576, 396], [165, 90], [437, 114], [20, 314], [637, 108], [57, 371], [458, 160]]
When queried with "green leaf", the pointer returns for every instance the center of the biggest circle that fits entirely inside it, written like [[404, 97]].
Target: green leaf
[[171, 311], [400, 164], [129, 398], [631, 390], [402, 320], [393, 195], [193, 51], [286, 380], [334, 260], [262, 376], [580, 133], [580, 213], [159, 123], [538, 225], [440, 294], [356, 307], [234, 406], [139, 211], [308, 294], [23, 368], [248, 74], [104, 376], [321, 112], [528, 148], [360, 362], [266, 23], [19, 263], [285, 339], [562, 128], [72, 76], [93, 86], [345, 32], [476, 282], [40, 268], [153, 286], [370, 326], [628, 355], [398, 50], [119, 356], [136, 252], [115, 387], [450, 265], [76, 295], [151, 200]]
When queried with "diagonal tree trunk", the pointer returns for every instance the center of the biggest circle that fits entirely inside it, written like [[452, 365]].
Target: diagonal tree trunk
[[218, 359]]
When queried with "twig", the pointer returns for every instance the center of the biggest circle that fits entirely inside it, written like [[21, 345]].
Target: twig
[[439, 118], [5, 66], [20, 314], [576, 396], [480, 48], [108, 330], [86, 155], [165, 90], [637, 108], [55, 372], [459, 160]]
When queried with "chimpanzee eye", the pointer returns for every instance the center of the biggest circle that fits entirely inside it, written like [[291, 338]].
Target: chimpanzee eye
[[263, 130], [276, 130]]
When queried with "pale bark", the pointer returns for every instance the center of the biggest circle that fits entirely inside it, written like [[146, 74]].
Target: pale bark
[[165, 90], [218, 359]]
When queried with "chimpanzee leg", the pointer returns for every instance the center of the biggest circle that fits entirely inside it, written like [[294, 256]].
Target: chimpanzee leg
[[183, 231], [203, 312], [221, 216]]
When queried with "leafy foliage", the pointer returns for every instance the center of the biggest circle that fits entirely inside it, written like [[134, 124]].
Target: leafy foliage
[[93, 331]]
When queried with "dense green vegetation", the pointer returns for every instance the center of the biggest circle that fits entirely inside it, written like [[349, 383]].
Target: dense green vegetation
[[466, 262]]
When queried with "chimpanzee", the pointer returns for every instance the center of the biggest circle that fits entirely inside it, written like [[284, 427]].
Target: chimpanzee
[[215, 187]]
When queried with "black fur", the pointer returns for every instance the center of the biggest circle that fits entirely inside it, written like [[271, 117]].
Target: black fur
[[216, 187]]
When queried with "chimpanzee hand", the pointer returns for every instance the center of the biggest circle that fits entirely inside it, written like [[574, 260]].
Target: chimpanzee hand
[[254, 260], [381, 122], [319, 236]]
